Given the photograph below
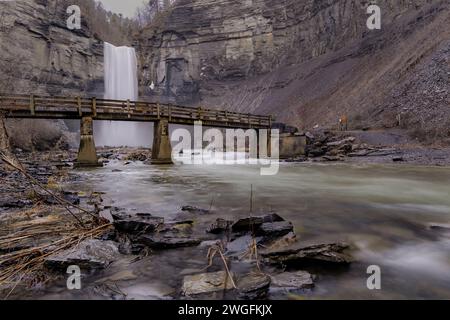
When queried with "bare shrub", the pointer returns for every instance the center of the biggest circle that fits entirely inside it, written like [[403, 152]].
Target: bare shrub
[[38, 135]]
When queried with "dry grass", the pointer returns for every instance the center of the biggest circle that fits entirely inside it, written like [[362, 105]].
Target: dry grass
[[27, 238], [218, 249]]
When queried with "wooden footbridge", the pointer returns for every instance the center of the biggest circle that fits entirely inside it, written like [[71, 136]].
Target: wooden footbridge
[[89, 109]]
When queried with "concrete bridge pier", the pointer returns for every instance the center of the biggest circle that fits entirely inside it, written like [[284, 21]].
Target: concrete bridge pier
[[267, 149], [162, 149], [87, 156]]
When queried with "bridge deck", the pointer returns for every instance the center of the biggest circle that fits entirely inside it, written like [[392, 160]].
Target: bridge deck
[[24, 106]]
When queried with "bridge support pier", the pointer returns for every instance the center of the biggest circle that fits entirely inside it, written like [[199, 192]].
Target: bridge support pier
[[87, 156], [162, 149]]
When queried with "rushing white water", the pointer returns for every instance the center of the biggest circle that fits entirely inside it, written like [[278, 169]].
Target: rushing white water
[[121, 83]]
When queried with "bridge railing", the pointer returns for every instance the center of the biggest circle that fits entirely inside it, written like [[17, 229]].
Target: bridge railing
[[79, 106]]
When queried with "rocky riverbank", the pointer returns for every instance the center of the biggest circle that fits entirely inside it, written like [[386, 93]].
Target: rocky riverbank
[[249, 258], [376, 147]]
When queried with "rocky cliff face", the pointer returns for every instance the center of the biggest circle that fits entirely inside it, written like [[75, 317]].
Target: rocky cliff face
[[307, 62], [202, 40], [39, 54]]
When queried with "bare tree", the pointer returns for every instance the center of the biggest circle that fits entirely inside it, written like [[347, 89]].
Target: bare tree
[[147, 13]]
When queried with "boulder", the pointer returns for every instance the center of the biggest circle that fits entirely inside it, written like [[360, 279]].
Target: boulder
[[249, 223], [291, 281], [139, 223], [206, 283], [321, 253], [275, 229], [88, 255]]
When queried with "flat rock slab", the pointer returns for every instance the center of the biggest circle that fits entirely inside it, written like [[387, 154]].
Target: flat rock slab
[[14, 203], [139, 223], [88, 255], [206, 283], [159, 242], [253, 286], [249, 223], [325, 253], [291, 281]]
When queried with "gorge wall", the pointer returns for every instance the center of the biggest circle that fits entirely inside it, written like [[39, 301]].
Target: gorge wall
[[40, 55], [307, 62]]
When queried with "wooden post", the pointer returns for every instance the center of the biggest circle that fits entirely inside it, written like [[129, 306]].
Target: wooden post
[[94, 107], [128, 108], [269, 138], [158, 110], [32, 105], [200, 113], [170, 113], [80, 110]]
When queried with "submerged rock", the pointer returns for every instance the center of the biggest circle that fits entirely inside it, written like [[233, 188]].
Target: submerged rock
[[324, 253], [254, 286], [89, 254], [206, 283], [241, 245], [440, 227], [249, 223], [159, 242], [291, 281], [195, 210]]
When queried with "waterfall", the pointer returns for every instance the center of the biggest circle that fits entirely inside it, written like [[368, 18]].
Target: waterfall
[[120, 67], [120, 73]]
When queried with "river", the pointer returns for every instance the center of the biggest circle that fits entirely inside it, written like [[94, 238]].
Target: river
[[383, 211]]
